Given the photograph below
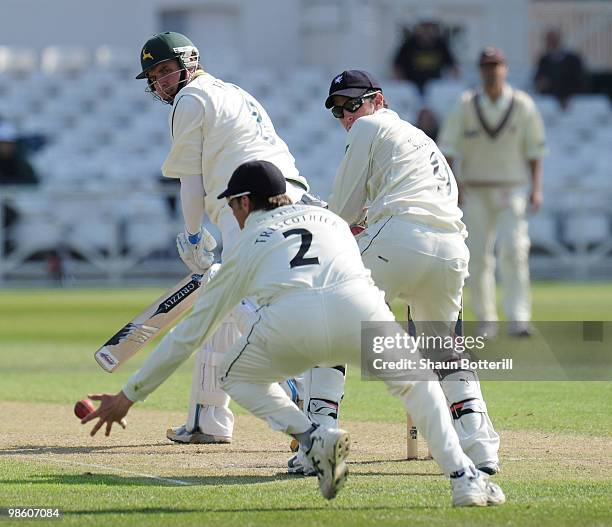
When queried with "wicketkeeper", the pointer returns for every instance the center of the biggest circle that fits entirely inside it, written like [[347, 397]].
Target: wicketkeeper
[[395, 182]]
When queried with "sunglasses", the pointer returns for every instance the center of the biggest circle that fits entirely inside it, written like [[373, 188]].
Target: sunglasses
[[351, 105]]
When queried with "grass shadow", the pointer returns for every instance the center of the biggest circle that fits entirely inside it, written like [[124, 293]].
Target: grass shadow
[[325, 506], [32, 450]]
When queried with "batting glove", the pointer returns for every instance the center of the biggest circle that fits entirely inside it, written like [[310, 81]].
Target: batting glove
[[196, 250]]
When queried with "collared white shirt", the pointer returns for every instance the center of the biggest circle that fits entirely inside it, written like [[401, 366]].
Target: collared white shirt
[[392, 168]]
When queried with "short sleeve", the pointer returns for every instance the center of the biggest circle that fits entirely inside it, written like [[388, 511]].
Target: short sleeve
[[186, 128]]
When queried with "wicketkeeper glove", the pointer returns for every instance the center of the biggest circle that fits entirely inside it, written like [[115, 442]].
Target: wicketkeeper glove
[[196, 250]]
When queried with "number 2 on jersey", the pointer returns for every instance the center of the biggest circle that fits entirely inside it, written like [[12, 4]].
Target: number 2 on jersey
[[298, 260]]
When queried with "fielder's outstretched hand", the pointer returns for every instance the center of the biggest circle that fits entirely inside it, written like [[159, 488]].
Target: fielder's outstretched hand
[[112, 409]]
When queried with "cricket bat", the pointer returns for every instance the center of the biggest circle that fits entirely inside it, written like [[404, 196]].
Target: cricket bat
[[132, 337]]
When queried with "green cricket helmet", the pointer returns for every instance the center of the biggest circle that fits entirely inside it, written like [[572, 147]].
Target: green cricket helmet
[[166, 46]]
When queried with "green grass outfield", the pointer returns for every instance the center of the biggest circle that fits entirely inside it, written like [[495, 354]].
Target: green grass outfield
[[47, 338]]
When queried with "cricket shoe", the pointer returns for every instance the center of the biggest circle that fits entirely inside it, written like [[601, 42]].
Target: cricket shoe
[[300, 465], [180, 434], [495, 495], [329, 449], [472, 488]]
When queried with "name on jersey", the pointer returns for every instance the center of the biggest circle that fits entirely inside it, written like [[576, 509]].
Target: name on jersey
[[295, 220]]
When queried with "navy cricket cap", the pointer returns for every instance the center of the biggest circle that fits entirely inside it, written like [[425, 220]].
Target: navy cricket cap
[[259, 178], [352, 83]]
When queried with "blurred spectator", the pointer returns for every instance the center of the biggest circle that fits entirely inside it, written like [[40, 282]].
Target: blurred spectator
[[428, 122], [560, 72], [423, 55], [15, 170]]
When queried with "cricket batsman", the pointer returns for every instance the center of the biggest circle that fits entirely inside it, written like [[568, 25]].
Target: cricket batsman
[[216, 126]]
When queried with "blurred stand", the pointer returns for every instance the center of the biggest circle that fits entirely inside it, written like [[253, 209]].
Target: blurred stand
[[15, 171]]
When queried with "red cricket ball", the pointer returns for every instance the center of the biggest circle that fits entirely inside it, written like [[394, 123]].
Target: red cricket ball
[[82, 408]]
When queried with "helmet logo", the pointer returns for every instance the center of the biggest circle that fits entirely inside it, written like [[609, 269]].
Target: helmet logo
[[146, 55]]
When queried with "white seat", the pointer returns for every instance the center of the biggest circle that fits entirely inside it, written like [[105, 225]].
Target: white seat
[[118, 59], [548, 107], [443, 94], [99, 131], [402, 96], [17, 61], [79, 171], [71, 60], [543, 232], [259, 82], [36, 233], [590, 108], [15, 109], [130, 172], [86, 219], [46, 85], [308, 80], [62, 114], [148, 225], [585, 229]]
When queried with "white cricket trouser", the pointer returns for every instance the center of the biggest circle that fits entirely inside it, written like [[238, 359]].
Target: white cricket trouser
[[490, 213], [424, 267], [208, 403], [427, 268], [326, 332]]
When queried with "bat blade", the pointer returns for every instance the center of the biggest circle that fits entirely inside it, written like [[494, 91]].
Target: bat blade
[[132, 337]]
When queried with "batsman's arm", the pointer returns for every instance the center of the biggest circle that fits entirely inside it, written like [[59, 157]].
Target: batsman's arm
[[185, 156], [192, 202], [222, 293]]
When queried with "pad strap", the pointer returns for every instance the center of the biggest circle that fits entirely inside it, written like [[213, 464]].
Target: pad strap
[[214, 398], [468, 406]]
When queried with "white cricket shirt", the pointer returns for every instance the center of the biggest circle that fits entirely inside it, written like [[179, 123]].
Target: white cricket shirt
[[216, 126], [497, 151], [392, 168], [292, 248]]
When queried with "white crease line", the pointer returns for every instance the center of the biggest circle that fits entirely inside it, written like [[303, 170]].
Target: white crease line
[[106, 467]]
